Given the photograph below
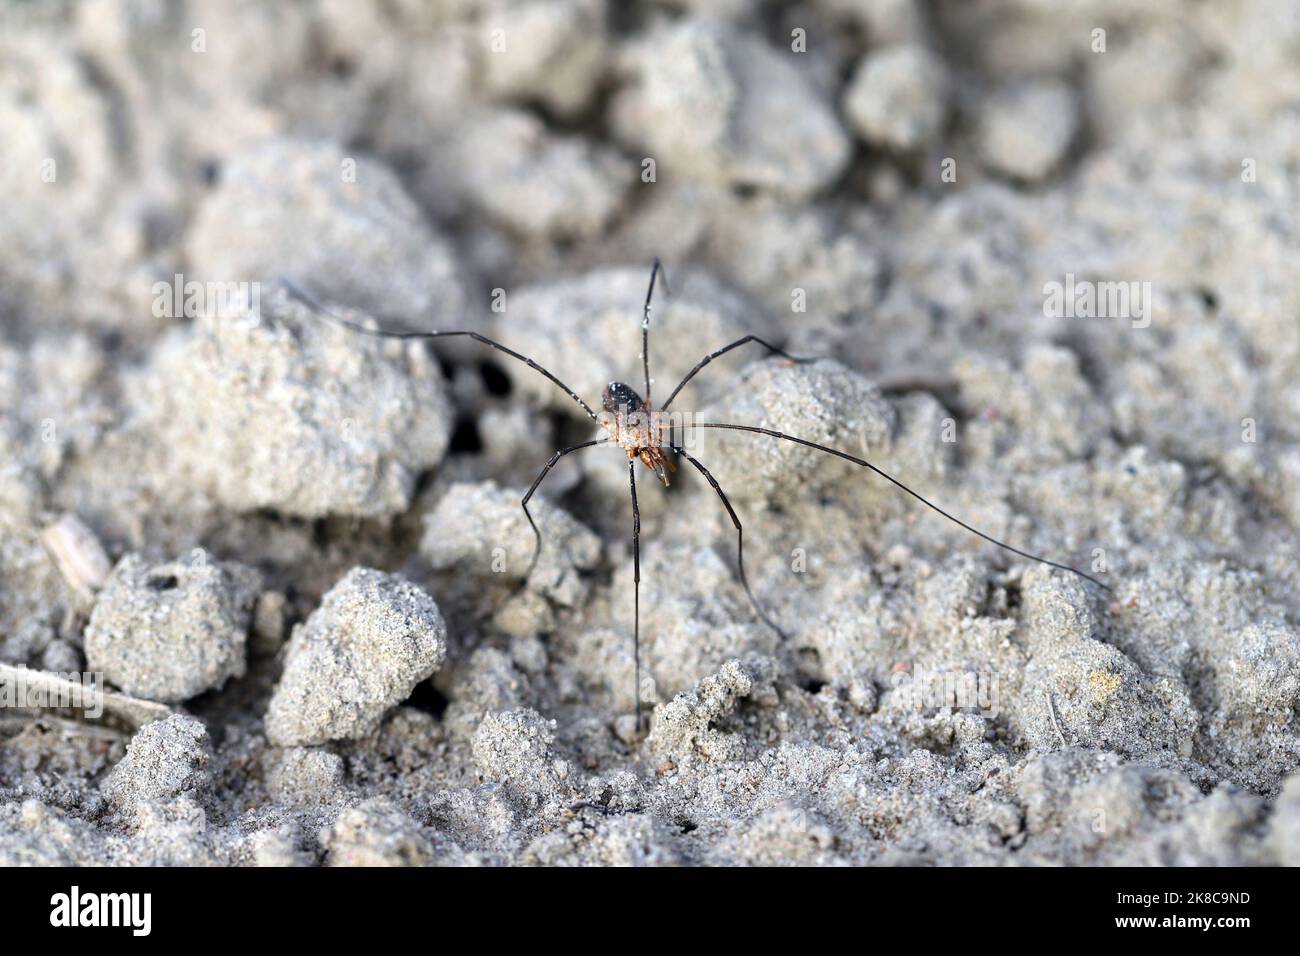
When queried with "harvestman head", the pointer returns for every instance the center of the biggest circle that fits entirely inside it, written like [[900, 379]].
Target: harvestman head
[[636, 427]]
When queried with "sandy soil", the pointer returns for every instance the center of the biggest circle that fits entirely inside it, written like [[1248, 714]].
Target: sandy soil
[[1045, 257]]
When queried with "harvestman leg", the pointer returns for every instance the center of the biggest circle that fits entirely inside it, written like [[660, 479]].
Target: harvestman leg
[[723, 351], [894, 481], [636, 587], [319, 309], [537, 548], [740, 539], [655, 270], [390, 334]]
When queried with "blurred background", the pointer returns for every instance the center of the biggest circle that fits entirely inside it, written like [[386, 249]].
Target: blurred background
[[912, 172]]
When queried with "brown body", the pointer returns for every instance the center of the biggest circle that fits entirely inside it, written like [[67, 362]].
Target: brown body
[[635, 428]]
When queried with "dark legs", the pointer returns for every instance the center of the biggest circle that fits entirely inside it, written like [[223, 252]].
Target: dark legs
[[645, 325], [723, 351], [740, 539], [894, 481], [636, 587], [388, 334], [537, 548]]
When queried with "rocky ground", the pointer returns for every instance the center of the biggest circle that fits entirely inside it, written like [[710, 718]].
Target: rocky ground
[[295, 552]]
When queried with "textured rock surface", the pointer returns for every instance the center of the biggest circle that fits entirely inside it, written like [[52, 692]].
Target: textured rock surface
[[898, 97], [336, 224], [169, 632], [283, 409], [1052, 287], [727, 108], [372, 640], [165, 760], [1025, 132], [520, 174], [481, 531]]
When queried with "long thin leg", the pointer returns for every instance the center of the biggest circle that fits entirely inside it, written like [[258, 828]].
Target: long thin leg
[[890, 478], [645, 324], [740, 539], [390, 334], [723, 351], [537, 548], [636, 587]]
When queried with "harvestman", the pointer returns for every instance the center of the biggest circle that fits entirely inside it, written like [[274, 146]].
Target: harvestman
[[634, 426]]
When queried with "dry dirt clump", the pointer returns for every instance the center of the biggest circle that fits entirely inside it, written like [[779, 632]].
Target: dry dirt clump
[[169, 632], [279, 408], [373, 638]]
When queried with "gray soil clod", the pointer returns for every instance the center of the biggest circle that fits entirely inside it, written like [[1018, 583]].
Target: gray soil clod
[[482, 532], [1025, 132], [898, 97], [725, 107], [374, 637], [167, 759], [278, 408], [169, 632], [360, 223]]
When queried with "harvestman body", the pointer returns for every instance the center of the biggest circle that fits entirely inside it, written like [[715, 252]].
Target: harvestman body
[[635, 426]]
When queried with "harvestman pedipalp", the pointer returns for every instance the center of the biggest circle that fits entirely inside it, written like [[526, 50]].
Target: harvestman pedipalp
[[634, 426]]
